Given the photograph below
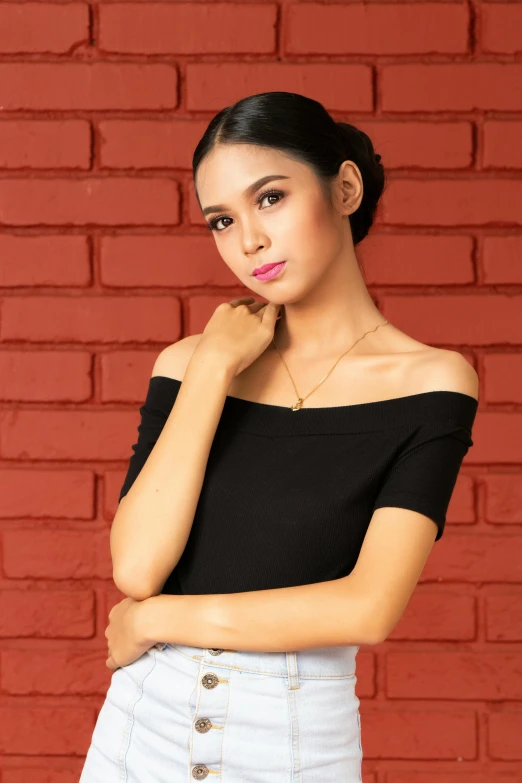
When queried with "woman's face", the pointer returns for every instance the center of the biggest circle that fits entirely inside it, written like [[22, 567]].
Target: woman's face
[[286, 219]]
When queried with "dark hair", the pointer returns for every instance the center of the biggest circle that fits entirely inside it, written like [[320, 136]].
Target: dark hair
[[303, 129]]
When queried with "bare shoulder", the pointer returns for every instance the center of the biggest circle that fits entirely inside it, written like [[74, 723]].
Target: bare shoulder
[[448, 370], [173, 360]]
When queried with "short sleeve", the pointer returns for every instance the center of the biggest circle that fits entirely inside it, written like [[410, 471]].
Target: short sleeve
[[423, 475], [160, 398]]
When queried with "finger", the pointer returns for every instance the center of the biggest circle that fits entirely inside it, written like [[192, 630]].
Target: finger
[[241, 299], [270, 313], [113, 666], [255, 308]]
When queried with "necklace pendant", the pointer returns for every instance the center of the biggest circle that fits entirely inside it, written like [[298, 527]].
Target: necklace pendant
[[298, 404]]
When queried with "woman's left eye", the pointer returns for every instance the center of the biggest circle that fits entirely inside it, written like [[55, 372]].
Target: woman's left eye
[[212, 225], [270, 193]]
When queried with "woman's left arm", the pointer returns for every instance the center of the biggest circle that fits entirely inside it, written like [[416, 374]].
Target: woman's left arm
[[289, 618], [361, 608]]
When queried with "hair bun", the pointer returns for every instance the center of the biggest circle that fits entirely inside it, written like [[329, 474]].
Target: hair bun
[[377, 158]]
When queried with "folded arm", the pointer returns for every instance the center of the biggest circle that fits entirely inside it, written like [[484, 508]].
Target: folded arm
[[361, 608]]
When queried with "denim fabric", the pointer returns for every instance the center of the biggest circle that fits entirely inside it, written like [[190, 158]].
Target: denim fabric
[[180, 713]]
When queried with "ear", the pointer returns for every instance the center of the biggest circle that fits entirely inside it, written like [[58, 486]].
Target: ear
[[348, 188]]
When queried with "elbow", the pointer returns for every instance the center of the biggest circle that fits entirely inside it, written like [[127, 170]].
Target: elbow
[[134, 587], [375, 630], [376, 637]]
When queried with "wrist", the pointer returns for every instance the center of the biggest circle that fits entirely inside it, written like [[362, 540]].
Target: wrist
[[207, 356], [145, 613]]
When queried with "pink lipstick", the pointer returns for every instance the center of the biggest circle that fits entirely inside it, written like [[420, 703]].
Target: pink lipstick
[[268, 271]]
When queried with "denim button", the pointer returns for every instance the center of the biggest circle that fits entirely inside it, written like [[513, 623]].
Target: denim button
[[203, 725], [210, 680], [215, 651], [199, 772]]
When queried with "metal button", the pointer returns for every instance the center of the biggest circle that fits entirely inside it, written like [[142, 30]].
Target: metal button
[[210, 680], [203, 725], [200, 772], [214, 651]]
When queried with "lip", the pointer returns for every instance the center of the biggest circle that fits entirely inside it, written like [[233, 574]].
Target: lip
[[266, 267]]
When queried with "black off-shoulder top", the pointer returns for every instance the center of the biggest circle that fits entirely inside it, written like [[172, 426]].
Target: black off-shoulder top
[[288, 495]]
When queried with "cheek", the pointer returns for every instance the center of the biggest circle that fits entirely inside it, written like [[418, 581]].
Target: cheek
[[317, 237]]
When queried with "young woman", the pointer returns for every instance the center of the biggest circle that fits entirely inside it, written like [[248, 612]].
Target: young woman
[[293, 469]]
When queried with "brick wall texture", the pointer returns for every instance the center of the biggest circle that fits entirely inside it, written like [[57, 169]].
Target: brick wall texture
[[101, 106]]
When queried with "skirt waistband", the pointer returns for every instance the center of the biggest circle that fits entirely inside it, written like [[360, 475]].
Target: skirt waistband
[[316, 663]]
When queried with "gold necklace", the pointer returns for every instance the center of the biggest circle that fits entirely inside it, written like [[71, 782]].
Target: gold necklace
[[300, 400]]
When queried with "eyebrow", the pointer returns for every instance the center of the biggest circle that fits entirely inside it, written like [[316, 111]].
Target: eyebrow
[[248, 192]]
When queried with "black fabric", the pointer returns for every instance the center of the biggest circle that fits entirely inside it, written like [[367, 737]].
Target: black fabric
[[288, 495]]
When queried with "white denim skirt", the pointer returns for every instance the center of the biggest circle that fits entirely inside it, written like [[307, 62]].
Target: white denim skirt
[[180, 713]]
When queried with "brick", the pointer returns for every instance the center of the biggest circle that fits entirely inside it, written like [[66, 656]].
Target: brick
[[42, 27], [44, 260], [103, 319], [68, 435], [45, 145], [501, 259], [50, 376], [411, 144], [97, 201], [475, 675], [45, 613], [475, 558], [210, 86], [503, 493], [55, 672], [468, 775], [504, 733], [57, 554], [502, 148], [125, 375], [398, 28], [470, 319], [49, 771], [504, 618], [188, 28], [502, 374], [393, 259], [440, 615], [159, 261], [148, 144], [39, 493], [501, 28], [416, 734], [45, 731], [441, 87], [96, 87], [452, 202]]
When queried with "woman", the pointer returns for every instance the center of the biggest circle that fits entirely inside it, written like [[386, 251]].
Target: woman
[[258, 549]]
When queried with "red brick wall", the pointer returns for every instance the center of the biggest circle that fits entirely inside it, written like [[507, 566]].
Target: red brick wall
[[101, 106]]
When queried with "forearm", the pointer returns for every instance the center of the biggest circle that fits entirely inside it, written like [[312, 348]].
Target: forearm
[[153, 522], [323, 614]]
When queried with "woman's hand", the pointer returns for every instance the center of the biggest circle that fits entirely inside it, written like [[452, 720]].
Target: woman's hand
[[240, 330], [124, 642]]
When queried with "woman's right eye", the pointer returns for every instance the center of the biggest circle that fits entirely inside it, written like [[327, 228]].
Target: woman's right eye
[[212, 224]]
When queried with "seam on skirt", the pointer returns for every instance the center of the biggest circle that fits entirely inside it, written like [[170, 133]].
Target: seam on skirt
[[223, 735], [294, 735], [127, 732], [261, 671], [196, 711]]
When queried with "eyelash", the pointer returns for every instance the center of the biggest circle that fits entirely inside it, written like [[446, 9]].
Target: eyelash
[[211, 225]]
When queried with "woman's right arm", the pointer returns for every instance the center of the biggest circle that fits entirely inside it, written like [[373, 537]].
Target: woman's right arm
[[153, 521]]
